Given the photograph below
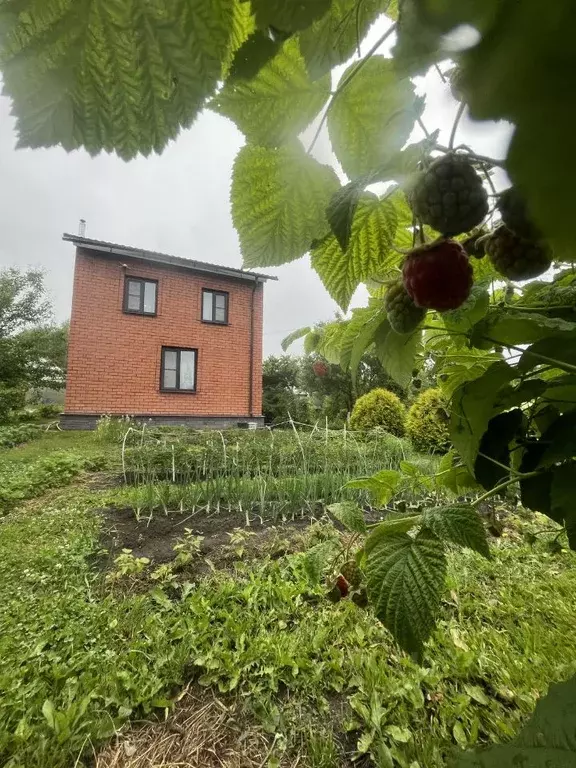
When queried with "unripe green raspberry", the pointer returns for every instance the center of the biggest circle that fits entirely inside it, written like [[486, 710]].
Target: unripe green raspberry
[[403, 315]]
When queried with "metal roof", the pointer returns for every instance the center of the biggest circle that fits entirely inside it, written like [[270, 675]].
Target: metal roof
[[163, 258]]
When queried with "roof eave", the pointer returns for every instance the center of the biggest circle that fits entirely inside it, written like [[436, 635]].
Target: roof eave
[[165, 259]]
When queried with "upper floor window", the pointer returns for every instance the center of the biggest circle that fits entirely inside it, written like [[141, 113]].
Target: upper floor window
[[215, 307], [140, 296], [178, 369]]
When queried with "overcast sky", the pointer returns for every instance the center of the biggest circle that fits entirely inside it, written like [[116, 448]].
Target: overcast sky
[[176, 203]]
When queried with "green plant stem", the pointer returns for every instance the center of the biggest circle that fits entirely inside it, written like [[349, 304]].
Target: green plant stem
[[345, 82], [503, 486], [473, 155], [538, 309], [550, 360], [461, 108], [499, 464]]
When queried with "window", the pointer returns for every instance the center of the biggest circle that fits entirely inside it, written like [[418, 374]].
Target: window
[[215, 307], [178, 370], [140, 296]]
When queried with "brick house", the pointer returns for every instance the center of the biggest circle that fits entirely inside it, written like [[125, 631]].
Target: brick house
[[162, 338]]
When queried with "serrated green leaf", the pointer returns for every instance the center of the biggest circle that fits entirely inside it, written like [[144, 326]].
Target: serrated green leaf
[[311, 342], [524, 52], [512, 327], [278, 103], [354, 330], [333, 39], [394, 525], [549, 351], [287, 341], [253, 55], [350, 515], [452, 474], [459, 524], [242, 26], [370, 248], [381, 486], [341, 212], [365, 338], [397, 352], [475, 307], [289, 15], [405, 578], [120, 75], [279, 201], [528, 390], [473, 405], [535, 492], [495, 447], [559, 440], [561, 392], [330, 341], [372, 117]]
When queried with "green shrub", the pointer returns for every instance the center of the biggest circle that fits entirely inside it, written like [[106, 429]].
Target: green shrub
[[379, 408], [427, 422], [18, 434]]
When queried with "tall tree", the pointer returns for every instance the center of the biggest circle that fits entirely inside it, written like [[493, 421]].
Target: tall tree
[[24, 351]]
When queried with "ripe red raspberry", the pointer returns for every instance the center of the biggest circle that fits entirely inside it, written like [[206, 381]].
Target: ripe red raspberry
[[320, 368], [438, 276]]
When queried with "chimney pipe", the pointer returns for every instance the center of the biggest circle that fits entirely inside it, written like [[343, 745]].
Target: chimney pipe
[[82, 228]]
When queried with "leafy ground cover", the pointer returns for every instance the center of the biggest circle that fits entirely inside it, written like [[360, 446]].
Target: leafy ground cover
[[241, 639]]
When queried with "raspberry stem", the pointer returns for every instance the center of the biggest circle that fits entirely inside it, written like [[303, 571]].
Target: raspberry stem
[[461, 108]]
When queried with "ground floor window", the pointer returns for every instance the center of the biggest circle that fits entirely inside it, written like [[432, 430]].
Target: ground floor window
[[178, 369]]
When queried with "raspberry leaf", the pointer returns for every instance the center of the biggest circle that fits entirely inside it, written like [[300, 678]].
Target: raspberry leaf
[[372, 117], [115, 76], [287, 341], [459, 524], [513, 327], [369, 251], [381, 486], [279, 199], [397, 352], [288, 15], [350, 515], [559, 349], [278, 103], [333, 39], [473, 405], [341, 212], [495, 447], [405, 578], [253, 55]]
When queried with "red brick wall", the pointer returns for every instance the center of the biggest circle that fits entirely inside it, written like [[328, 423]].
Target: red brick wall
[[114, 358]]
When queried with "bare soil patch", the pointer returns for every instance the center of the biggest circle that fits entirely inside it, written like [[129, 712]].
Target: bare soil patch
[[156, 536]]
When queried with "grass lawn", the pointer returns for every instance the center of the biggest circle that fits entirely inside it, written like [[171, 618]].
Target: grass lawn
[[235, 657]]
